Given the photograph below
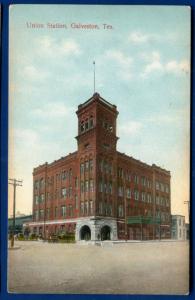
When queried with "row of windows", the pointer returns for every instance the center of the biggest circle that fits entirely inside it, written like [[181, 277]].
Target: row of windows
[[86, 125], [105, 187], [163, 216], [39, 184], [105, 209], [163, 187], [106, 167], [145, 197], [87, 186], [39, 198], [134, 178], [107, 125], [62, 211], [86, 166], [162, 201], [86, 208]]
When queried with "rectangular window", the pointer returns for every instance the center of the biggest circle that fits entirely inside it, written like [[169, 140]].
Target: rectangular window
[[41, 214], [120, 211], [128, 193], [82, 187], [70, 174], [82, 208], [91, 207], [91, 165], [157, 185], [143, 196], [100, 208], [91, 185], [86, 186], [120, 191], [64, 192], [36, 215], [36, 199], [76, 182], [149, 198], [70, 192], [136, 195], [136, 179], [56, 212], [100, 186], [87, 165], [110, 188], [63, 211], [86, 208], [76, 201], [48, 213], [82, 168]]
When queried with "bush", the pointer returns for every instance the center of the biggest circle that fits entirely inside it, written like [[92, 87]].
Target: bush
[[33, 237]]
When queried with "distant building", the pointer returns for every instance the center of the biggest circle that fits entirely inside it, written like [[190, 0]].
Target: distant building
[[187, 231], [19, 221], [98, 192], [178, 227]]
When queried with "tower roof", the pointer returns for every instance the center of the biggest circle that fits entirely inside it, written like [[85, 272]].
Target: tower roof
[[96, 97]]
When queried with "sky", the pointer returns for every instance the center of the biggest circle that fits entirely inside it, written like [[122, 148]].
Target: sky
[[142, 66]]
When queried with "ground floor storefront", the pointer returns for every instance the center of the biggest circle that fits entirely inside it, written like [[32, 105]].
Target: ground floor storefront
[[97, 228]]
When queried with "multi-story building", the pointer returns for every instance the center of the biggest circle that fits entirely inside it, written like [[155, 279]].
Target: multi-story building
[[178, 227], [98, 192]]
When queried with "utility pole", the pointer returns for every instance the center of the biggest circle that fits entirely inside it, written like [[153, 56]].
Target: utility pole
[[188, 204], [15, 183]]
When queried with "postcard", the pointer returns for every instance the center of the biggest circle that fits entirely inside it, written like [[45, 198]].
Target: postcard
[[99, 149]]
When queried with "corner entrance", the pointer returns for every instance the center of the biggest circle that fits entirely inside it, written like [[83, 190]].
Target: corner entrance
[[85, 233], [105, 233]]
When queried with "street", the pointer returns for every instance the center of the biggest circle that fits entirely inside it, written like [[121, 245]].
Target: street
[[126, 268]]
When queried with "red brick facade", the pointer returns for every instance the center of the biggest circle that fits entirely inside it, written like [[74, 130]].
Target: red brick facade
[[98, 192]]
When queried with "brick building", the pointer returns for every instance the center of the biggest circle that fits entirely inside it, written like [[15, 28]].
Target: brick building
[[98, 192]]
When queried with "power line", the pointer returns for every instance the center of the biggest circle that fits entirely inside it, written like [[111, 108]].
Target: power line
[[15, 183]]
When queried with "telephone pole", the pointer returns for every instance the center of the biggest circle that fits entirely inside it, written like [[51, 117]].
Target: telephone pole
[[15, 183]]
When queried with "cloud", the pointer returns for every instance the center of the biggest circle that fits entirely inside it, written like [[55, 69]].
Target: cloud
[[156, 65], [53, 110], [33, 73], [130, 128], [52, 47], [138, 37], [119, 57], [178, 67]]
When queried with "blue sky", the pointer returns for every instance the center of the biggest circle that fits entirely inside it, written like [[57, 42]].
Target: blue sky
[[142, 66]]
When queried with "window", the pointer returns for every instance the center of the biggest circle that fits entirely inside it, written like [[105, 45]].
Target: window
[[111, 128], [91, 206], [143, 195], [42, 198], [128, 176], [157, 199], [120, 211], [64, 192], [82, 168], [100, 186], [70, 192], [36, 185], [86, 125], [157, 185], [136, 179], [149, 198], [48, 213], [42, 183], [91, 122], [36, 199], [136, 194], [91, 185], [76, 182], [86, 186], [82, 128], [36, 215], [70, 210], [70, 174], [91, 165], [120, 191], [82, 208], [56, 212], [105, 188], [100, 208], [76, 201], [143, 181], [63, 211], [82, 187], [149, 184], [41, 214], [87, 165], [110, 188], [86, 208], [128, 193], [167, 188], [120, 172]]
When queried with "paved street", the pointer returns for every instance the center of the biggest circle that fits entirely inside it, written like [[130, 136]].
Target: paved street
[[143, 268]]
